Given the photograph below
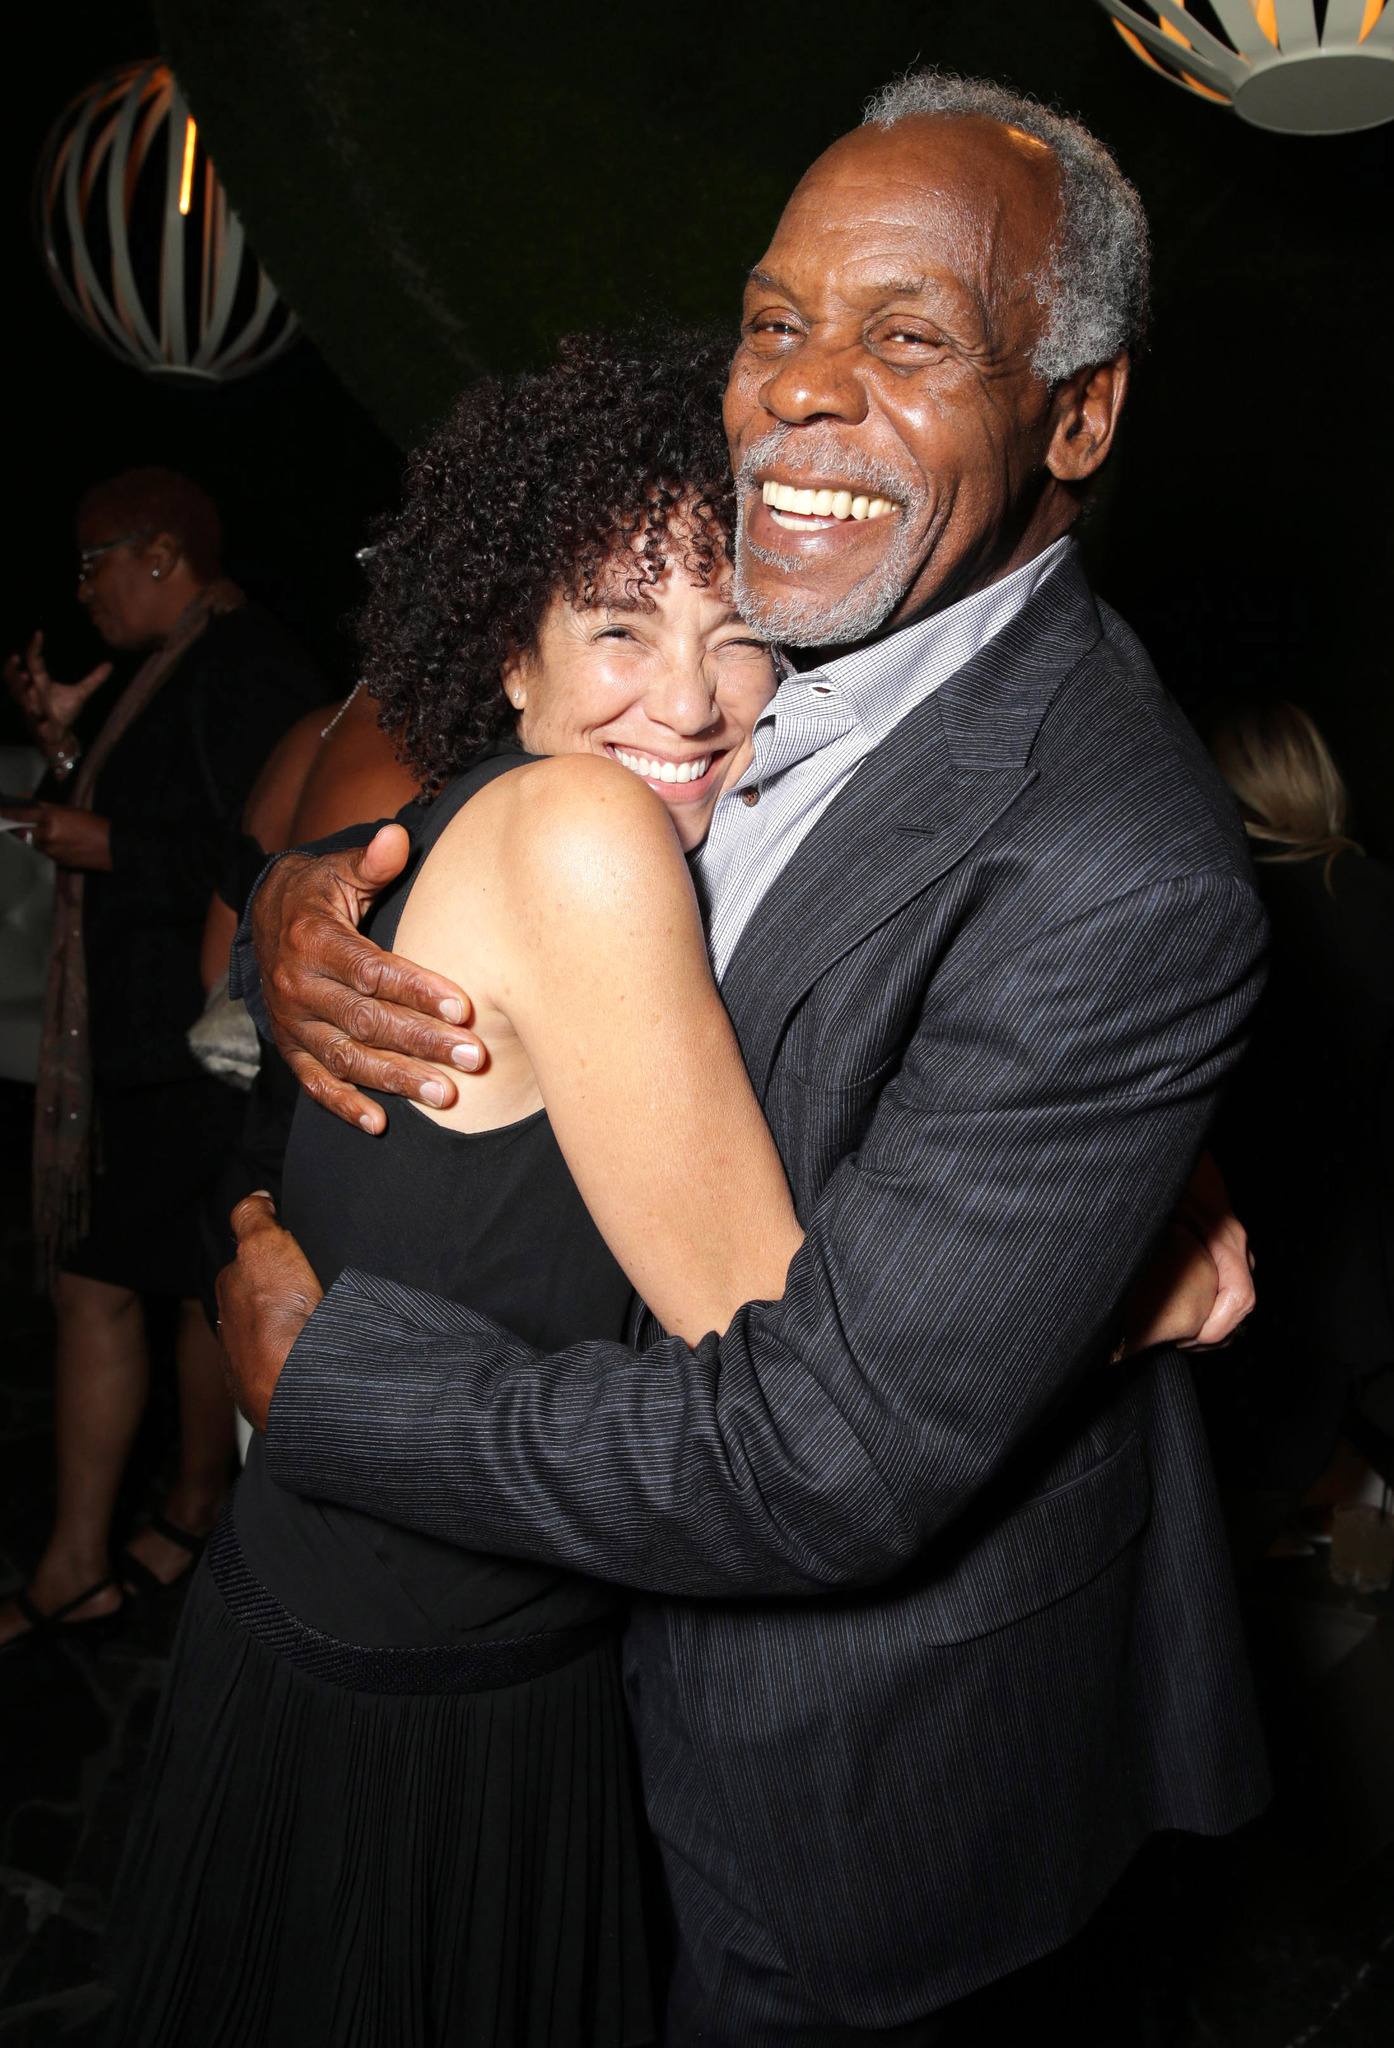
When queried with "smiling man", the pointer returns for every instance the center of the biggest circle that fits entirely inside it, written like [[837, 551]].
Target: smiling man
[[940, 1627], [900, 423]]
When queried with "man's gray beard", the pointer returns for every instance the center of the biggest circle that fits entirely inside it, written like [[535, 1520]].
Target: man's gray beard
[[801, 620]]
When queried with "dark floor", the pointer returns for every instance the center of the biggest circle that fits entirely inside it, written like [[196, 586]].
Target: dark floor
[[1284, 1939]]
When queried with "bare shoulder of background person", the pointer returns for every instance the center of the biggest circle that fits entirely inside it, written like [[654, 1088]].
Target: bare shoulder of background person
[[355, 777], [276, 793]]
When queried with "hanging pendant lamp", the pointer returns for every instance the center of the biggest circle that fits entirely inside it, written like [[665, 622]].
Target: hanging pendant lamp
[[139, 239], [1269, 60]]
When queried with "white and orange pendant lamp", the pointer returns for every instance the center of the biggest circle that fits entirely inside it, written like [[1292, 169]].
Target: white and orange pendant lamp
[[139, 239], [1271, 60]]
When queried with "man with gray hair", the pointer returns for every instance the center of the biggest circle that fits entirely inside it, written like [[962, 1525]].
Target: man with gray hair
[[938, 1626]]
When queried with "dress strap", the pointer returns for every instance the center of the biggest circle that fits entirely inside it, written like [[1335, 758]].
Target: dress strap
[[428, 822]]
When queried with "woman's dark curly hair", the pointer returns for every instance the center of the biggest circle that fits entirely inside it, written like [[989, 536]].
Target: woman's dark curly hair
[[536, 485]]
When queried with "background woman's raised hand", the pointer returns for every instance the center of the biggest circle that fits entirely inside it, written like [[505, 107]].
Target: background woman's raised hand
[[50, 708], [72, 838]]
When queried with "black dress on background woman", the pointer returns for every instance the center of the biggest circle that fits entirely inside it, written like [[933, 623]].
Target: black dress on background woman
[[390, 1798], [171, 788]]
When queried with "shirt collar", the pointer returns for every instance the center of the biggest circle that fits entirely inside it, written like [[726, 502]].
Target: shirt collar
[[875, 686], [910, 663]]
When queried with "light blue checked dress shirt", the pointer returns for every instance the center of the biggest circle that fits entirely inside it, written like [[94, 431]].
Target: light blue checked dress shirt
[[818, 729]]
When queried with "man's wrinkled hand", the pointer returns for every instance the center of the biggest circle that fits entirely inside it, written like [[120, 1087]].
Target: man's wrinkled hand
[[345, 1014], [265, 1298]]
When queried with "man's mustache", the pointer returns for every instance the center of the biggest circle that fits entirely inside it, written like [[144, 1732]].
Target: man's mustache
[[808, 452]]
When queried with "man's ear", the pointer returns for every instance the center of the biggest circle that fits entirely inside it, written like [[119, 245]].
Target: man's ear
[[1087, 408]]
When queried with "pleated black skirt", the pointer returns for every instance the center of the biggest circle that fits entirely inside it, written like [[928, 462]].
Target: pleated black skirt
[[315, 1866]]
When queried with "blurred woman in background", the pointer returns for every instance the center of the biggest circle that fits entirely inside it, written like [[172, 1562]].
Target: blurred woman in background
[[1306, 1137], [128, 1129]]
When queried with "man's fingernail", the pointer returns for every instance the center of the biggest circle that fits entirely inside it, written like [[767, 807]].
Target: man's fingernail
[[466, 1056], [434, 1093], [453, 1010], [367, 1124]]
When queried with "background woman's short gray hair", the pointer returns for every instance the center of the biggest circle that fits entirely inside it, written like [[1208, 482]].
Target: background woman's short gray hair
[[1096, 297]]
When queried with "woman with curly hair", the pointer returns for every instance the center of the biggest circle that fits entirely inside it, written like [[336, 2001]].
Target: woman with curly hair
[[390, 1795]]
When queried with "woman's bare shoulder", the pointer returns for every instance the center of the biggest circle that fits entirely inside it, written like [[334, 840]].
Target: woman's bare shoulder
[[565, 823], [592, 786], [553, 838]]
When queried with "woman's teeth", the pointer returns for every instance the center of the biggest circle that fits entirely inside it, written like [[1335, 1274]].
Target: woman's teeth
[[664, 771], [824, 504]]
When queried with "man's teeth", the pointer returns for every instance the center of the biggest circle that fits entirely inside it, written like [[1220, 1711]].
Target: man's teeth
[[825, 504], [664, 771]]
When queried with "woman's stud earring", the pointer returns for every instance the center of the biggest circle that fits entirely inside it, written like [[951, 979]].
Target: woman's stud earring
[[155, 574]]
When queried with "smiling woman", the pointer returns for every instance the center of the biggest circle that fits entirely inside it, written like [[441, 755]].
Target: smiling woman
[[532, 489], [550, 623], [668, 682]]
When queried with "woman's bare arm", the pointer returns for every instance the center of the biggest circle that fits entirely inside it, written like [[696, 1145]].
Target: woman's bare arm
[[581, 922], [566, 901]]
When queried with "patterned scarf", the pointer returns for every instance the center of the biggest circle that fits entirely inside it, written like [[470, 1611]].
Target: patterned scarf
[[63, 1104]]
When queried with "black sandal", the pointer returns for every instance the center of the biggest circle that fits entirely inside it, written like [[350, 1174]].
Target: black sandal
[[148, 1583], [55, 1626]]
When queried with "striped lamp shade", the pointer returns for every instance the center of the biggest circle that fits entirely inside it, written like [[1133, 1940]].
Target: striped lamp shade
[[1270, 61], [139, 239]]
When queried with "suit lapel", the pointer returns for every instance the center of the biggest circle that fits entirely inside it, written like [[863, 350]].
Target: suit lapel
[[915, 806]]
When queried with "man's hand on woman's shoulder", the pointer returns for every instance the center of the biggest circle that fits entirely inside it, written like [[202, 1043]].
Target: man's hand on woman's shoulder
[[345, 1014]]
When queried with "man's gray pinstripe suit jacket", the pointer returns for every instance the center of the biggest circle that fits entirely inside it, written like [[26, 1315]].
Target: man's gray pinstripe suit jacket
[[941, 1623]]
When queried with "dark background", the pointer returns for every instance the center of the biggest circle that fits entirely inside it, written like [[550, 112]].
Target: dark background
[[440, 190]]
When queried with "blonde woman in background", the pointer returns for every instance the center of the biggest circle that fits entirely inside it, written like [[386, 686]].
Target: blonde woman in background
[[1294, 803], [1306, 1139]]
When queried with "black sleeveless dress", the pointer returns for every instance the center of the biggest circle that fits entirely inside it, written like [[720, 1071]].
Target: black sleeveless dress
[[389, 1800]]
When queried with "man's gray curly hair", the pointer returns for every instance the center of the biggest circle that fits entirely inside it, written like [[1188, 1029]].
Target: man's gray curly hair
[[1096, 295]]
